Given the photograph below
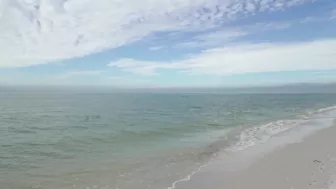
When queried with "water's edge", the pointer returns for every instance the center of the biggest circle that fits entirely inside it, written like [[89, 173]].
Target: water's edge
[[252, 146]]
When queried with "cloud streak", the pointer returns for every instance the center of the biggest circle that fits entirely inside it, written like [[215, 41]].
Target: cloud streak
[[37, 32], [72, 74], [155, 48], [245, 58], [229, 35], [333, 14]]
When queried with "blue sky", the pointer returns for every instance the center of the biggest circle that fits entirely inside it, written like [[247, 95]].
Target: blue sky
[[167, 43]]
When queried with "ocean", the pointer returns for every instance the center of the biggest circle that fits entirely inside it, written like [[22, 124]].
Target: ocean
[[128, 140]]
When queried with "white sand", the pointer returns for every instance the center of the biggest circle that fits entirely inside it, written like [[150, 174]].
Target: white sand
[[310, 164]]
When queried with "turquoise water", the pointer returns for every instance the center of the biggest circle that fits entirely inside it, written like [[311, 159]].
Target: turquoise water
[[61, 140]]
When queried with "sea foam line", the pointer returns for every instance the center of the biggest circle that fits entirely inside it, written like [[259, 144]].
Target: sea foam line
[[188, 177], [261, 134], [265, 131]]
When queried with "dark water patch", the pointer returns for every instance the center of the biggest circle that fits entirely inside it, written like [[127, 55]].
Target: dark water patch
[[7, 145], [128, 134], [21, 131], [82, 126], [8, 157], [196, 107], [214, 124], [42, 128], [92, 117], [35, 144], [54, 155]]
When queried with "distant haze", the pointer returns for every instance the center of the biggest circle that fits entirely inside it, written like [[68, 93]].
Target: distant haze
[[293, 88]]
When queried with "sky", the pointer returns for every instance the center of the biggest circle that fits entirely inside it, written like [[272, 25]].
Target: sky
[[167, 43]]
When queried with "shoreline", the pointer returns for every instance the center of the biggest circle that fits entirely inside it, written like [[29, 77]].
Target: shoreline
[[310, 163], [300, 158], [247, 167]]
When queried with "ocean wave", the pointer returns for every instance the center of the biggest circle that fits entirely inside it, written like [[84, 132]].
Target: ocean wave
[[261, 134], [252, 136], [326, 109]]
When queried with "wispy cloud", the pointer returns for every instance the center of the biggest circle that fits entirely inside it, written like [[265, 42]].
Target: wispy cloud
[[221, 36], [214, 38], [333, 14], [155, 48], [246, 58], [86, 73], [36, 32], [145, 68]]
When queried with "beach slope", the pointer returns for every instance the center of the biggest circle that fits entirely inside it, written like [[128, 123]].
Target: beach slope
[[307, 164]]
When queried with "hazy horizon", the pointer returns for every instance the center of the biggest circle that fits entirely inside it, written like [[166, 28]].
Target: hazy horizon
[[286, 88]]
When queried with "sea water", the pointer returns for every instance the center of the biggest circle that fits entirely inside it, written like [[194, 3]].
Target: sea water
[[128, 140]]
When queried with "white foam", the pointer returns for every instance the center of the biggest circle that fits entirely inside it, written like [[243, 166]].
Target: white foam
[[261, 134], [187, 178], [326, 109]]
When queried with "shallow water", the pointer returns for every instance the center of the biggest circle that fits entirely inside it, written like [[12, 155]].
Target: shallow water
[[65, 139]]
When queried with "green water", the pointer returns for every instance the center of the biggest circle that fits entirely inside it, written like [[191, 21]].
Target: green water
[[127, 140]]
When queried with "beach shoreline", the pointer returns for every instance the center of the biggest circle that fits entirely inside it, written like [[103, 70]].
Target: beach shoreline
[[300, 157], [310, 163]]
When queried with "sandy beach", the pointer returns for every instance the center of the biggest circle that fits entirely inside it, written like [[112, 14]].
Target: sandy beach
[[304, 165]]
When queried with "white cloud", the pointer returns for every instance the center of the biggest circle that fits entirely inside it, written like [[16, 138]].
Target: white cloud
[[79, 74], [39, 31], [213, 38], [155, 48], [145, 68], [258, 27], [246, 58], [223, 36], [333, 14], [252, 58]]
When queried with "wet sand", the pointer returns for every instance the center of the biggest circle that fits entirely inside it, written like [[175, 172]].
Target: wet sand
[[310, 164]]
